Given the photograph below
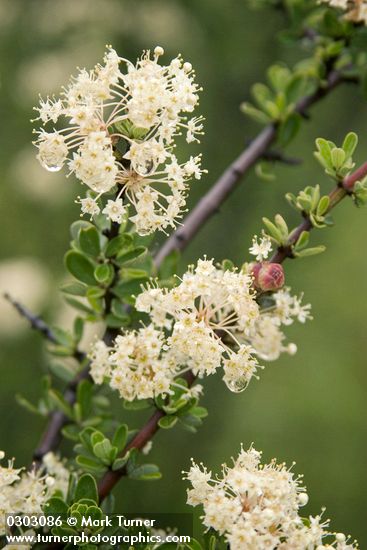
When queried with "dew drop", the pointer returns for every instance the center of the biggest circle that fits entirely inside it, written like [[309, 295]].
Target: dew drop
[[144, 169], [238, 385], [51, 167]]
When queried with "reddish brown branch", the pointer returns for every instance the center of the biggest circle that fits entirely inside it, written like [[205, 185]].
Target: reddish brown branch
[[336, 195], [146, 433]]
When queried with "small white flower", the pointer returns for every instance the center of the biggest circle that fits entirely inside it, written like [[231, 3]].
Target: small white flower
[[115, 210], [262, 249], [89, 206]]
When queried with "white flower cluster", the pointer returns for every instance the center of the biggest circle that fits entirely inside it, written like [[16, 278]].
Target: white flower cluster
[[118, 134], [356, 10], [27, 491], [256, 506], [210, 320]]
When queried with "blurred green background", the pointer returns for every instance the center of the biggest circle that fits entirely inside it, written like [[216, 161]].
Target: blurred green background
[[311, 407]]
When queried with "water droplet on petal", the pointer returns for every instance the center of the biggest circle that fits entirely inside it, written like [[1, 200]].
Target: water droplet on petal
[[144, 169], [238, 385], [51, 167]]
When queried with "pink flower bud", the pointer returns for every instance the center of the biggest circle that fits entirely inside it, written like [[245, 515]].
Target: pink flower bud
[[268, 276]]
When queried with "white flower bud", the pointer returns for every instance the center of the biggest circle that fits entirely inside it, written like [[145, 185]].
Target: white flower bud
[[302, 499], [50, 481], [292, 348]]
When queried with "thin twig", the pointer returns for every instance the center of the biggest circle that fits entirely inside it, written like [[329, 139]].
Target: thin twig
[[39, 325], [36, 322], [223, 187]]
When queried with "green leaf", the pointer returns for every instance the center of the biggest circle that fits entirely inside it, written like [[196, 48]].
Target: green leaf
[[272, 110], [113, 321], [58, 400], [167, 422], [120, 462], [78, 328], [333, 25], [119, 310], [325, 152], [76, 227], [311, 251], [76, 289], [131, 255], [200, 412], [94, 299], [104, 273], [273, 230], [80, 267], [118, 244], [145, 472], [279, 77], [125, 290], [105, 451], [96, 437], [323, 205], [169, 266], [85, 437], [84, 397], [282, 226], [60, 351], [338, 157], [350, 143], [102, 222], [95, 292], [62, 371], [264, 171], [302, 240], [137, 405], [55, 506], [129, 273], [86, 488], [291, 198], [227, 265], [289, 129], [63, 337], [296, 88], [71, 431], [120, 437], [89, 241], [254, 113], [23, 402], [78, 305], [261, 94]]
